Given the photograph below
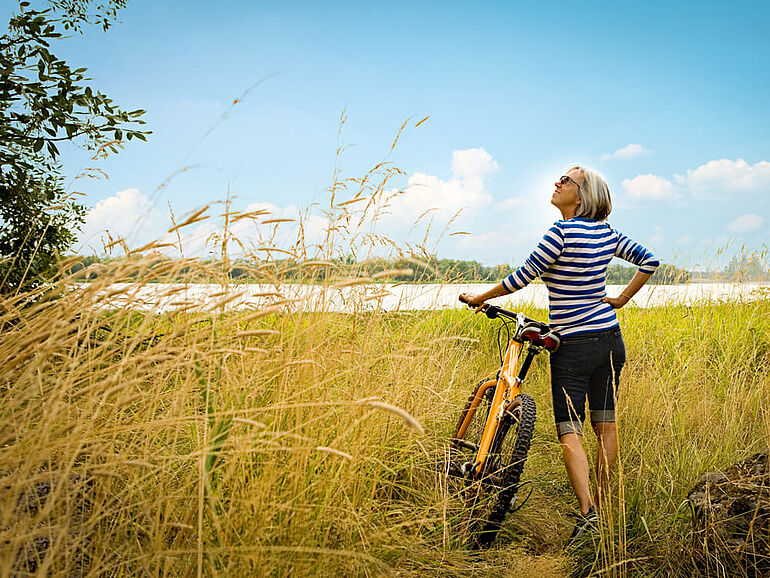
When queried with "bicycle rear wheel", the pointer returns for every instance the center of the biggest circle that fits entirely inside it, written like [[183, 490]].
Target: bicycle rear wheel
[[489, 497]]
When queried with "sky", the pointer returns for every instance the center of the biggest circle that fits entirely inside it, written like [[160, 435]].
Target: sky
[[667, 100]]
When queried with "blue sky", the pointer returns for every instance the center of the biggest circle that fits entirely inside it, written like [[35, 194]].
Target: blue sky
[[666, 100]]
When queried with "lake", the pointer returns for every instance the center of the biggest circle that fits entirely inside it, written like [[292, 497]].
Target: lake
[[163, 297]]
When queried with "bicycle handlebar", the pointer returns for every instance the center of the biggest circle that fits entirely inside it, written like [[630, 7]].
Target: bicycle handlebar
[[493, 311], [546, 336]]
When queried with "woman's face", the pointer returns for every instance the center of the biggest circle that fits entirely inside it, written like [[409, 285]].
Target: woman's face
[[565, 195]]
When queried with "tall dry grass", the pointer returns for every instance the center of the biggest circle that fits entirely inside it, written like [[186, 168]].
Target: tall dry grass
[[272, 441], [245, 443], [228, 443], [214, 441]]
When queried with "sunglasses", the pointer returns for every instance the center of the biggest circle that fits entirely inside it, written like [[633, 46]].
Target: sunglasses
[[565, 179]]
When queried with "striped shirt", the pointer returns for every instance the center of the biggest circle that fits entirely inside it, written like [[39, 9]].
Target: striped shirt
[[572, 261]]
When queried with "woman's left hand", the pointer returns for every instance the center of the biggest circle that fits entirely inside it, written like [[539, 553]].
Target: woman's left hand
[[616, 302]]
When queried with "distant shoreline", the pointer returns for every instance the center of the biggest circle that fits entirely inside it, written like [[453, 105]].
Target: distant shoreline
[[166, 297]]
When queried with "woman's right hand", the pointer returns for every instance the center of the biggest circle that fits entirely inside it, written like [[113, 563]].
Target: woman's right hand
[[473, 300]]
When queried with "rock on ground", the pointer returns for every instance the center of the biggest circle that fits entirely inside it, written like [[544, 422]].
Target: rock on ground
[[731, 512]]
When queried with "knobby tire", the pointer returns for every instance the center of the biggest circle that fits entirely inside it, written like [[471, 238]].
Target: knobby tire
[[489, 497]]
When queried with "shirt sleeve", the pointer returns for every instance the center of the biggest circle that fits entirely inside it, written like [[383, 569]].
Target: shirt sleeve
[[636, 254], [544, 255]]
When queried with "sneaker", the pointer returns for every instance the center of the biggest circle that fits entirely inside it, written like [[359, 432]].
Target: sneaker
[[585, 523]]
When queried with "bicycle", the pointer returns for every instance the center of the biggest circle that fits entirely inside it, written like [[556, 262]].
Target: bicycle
[[495, 454]]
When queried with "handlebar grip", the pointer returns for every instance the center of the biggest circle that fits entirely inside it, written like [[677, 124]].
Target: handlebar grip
[[489, 310]]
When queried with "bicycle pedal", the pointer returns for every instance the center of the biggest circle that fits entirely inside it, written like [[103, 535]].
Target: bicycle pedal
[[466, 445], [466, 468]]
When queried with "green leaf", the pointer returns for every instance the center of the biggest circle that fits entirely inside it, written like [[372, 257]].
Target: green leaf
[[40, 95]]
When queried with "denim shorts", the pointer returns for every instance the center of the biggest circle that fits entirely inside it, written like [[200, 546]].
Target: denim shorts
[[586, 365]]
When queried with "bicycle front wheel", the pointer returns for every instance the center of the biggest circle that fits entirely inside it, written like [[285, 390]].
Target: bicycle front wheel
[[489, 497]]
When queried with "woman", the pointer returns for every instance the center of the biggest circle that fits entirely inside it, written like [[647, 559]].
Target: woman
[[572, 261]]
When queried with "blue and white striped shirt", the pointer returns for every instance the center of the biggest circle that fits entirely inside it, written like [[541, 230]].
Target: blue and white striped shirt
[[572, 261]]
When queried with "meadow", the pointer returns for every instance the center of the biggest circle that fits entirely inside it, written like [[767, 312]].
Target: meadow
[[290, 440], [210, 442]]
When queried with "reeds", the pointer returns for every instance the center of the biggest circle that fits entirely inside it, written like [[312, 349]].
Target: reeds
[[260, 439]]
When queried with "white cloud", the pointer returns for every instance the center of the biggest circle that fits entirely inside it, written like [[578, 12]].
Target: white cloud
[[484, 242], [473, 163], [657, 239], [726, 176], [629, 151], [649, 187], [746, 224], [127, 214], [504, 230], [717, 179], [511, 203], [466, 189]]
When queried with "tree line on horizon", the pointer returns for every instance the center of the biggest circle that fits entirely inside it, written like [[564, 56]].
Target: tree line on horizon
[[408, 270]]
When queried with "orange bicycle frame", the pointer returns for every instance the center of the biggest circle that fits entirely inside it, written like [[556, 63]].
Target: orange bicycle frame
[[508, 386]]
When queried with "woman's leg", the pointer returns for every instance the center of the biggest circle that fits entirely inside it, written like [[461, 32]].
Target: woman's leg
[[606, 453], [576, 463], [571, 368], [602, 394]]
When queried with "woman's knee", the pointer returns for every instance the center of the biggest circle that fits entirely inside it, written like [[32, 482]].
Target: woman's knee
[[604, 428]]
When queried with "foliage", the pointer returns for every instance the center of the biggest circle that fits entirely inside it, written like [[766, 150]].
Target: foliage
[[290, 271], [438, 270], [75, 13], [401, 270], [746, 267], [44, 102], [669, 275], [665, 275]]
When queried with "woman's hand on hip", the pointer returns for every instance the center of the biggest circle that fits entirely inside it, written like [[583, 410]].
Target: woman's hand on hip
[[616, 302]]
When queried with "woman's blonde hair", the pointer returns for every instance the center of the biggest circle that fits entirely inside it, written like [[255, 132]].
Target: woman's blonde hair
[[594, 195]]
